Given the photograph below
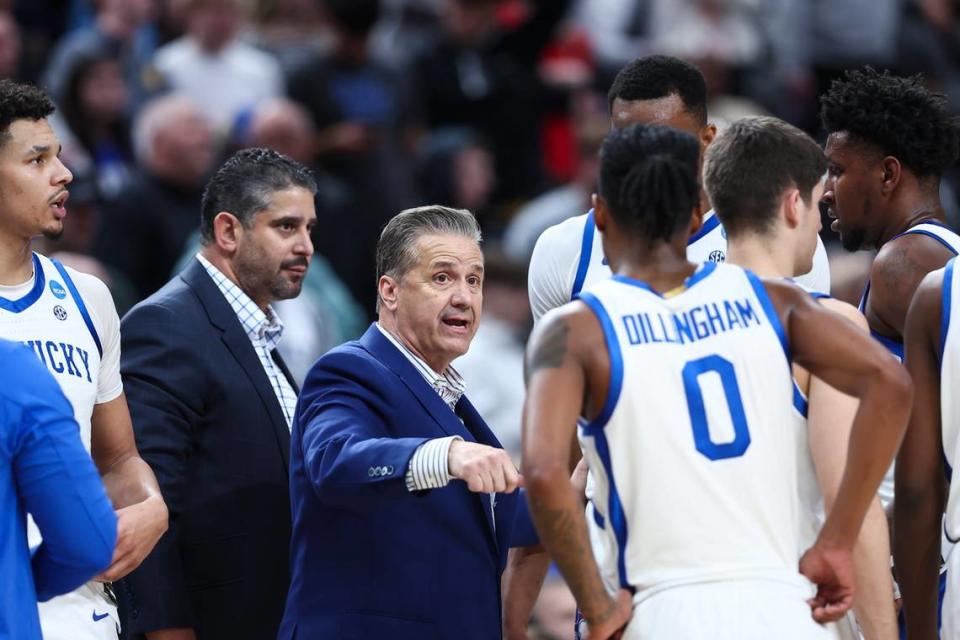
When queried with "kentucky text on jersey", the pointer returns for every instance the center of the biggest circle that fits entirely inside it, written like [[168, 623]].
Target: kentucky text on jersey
[[62, 358], [690, 326]]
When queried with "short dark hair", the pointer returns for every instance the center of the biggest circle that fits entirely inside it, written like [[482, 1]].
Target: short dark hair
[[396, 250], [356, 17], [20, 101], [749, 166], [245, 184], [648, 178], [897, 115], [654, 77]]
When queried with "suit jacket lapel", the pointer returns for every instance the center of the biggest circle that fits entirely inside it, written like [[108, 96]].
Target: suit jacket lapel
[[222, 316], [382, 349]]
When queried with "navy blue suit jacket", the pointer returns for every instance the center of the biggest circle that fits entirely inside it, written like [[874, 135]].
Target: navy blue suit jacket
[[370, 559], [208, 422]]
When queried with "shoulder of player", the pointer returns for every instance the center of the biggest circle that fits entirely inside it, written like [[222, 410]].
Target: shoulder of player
[[89, 285], [574, 325], [925, 308], [846, 310], [561, 239], [908, 258]]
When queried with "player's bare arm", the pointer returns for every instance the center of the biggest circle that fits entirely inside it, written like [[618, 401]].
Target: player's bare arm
[[920, 487], [829, 419], [895, 275], [837, 351], [142, 515], [562, 347]]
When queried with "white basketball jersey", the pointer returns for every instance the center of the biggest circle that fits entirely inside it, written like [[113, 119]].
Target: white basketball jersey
[[53, 321], [693, 455], [949, 400]]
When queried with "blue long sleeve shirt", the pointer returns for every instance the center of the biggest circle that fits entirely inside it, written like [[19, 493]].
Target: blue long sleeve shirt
[[46, 472]]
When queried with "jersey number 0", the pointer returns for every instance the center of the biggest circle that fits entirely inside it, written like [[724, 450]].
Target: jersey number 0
[[698, 414]]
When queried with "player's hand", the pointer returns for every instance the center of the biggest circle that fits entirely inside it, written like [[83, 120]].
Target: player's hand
[[484, 469], [139, 527], [831, 569], [612, 622]]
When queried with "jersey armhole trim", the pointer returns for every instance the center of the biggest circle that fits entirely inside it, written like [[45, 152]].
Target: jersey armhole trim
[[87, 320], [586, 249], [945, 302], [800, 402], [929, 234], [770, 312], [616, 362], [706, 228]]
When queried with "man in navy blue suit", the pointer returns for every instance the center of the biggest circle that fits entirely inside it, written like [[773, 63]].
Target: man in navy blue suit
[[404, 503]]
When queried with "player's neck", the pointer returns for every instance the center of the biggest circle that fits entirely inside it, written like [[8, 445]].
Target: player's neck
[[758, 256], [663, 266], [16, 261], [911, 210]]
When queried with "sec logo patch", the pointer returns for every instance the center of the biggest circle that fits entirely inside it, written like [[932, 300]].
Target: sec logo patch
[[717, 256], [60, 313]]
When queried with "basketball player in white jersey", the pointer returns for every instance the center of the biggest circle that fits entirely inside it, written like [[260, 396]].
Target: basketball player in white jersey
[[764, 178], [930, 451], [69, 320], [680, 376], [890, 140], [662, 90]]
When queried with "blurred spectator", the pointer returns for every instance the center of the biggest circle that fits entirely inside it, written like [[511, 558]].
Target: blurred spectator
[[493, 368], [75, 244], [620, 30], [290, 30], [209, 64], [10, 46], [404, 30], [145, 228], [365, 133], [592, 123], [849, 273], [92, 121], [456, 169], [484, 77], [116, 30]]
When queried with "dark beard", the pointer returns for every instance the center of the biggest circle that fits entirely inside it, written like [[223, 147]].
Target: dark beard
[[53, 235], [853, 240]]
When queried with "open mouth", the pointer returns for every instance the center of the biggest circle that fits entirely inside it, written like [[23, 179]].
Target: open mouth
[[460, 323], [59, 205]]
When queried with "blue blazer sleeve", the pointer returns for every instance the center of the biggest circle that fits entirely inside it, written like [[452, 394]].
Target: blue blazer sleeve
[[58, 483], [352, 450]]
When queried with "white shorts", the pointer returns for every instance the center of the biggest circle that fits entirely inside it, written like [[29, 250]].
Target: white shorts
[[729, 610], [950, 611], [85, 614]]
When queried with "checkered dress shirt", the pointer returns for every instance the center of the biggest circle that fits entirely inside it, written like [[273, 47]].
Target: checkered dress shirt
[[264, 330]]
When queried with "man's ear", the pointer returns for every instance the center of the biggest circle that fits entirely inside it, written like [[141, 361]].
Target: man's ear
[[227, 231], [791, 207], [387, 292], [707, 133], [600, 212], [892, 172]]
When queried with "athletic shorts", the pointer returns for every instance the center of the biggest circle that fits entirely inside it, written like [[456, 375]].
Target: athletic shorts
[[89, 613]]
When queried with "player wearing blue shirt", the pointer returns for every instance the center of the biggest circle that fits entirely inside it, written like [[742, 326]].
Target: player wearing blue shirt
[[45, 472]]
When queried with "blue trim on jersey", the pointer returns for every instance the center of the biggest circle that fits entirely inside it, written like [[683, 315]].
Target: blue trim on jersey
[[595, 429], [799, 400], [597, 517], [80, 305], [24, 303], [707, 227], [702, 272], [921, 232], [945, 307], [586, 249], [820, 296], [769, 310], [893, 346], [616, 362]]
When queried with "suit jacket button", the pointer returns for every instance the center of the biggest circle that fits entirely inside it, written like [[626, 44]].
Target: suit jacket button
[[390, 470], [371, 472]]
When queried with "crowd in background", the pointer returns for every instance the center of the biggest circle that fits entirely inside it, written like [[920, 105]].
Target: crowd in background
[[497, 106]]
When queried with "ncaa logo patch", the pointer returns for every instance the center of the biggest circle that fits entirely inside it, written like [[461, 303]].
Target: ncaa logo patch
[[60, 313], [717, 256], [57, 290]]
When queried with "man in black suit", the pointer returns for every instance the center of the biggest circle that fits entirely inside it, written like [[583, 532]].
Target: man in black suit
[[212, 403]]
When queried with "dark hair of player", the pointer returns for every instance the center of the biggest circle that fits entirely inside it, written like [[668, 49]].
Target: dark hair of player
[[654, 77], [245, 184], [750, 165], [648, 178], [898, 116], [21, 102]]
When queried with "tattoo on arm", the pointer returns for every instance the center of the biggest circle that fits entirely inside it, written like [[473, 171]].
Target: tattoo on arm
[[550, 349]]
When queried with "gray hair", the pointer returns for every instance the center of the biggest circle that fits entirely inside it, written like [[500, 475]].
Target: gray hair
[[396, 250], [151, 120]]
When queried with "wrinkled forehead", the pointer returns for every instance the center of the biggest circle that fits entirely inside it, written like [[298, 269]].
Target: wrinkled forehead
[[433, 250]]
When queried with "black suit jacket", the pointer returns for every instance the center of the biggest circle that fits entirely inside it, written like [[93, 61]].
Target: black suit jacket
[[209, 424]]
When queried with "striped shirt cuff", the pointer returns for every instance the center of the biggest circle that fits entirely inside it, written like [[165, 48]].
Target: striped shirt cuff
[[429, 466]]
